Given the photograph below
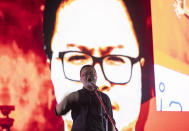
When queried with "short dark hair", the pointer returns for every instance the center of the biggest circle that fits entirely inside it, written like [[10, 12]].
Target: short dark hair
[[85, 66]]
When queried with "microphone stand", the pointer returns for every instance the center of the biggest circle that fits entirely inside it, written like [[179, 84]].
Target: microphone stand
[[105, 109]]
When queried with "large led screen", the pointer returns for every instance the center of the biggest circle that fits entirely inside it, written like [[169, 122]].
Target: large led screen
[[44, 44]]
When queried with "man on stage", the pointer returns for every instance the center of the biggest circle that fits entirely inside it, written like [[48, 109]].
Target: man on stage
[[86, 110]]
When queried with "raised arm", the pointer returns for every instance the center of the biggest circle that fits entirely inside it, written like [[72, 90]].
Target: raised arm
[[66, 104]]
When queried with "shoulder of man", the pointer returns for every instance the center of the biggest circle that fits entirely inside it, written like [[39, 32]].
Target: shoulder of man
[[105, 98], [73, 97]]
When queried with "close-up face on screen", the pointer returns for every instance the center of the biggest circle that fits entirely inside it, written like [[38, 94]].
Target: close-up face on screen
[[101, 34]]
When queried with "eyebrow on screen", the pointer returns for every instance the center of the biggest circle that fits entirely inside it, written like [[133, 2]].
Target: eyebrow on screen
[[102, 50]]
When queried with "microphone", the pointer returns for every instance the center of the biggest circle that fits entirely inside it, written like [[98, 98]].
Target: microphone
[[92, 84]]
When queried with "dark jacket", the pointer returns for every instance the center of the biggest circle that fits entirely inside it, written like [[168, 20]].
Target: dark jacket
[[86, 110]]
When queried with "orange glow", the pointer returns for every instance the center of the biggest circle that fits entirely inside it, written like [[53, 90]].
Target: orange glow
[[104, 88], [130, 127], [24, 82], [115, 106], [166, 60], [170, 36], [142, 61], [42, 7], [165, 120], [69, 124], [24, 74]]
